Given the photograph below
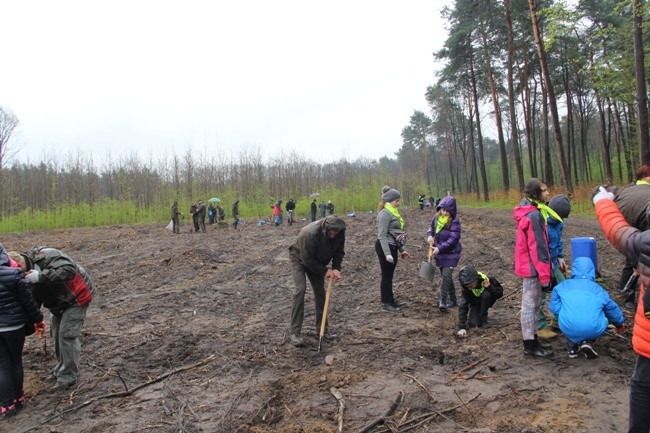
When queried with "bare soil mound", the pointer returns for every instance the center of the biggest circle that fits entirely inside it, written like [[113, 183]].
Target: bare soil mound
[[188, 333]]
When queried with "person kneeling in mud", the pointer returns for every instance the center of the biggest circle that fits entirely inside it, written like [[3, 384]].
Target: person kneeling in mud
[[479, 293], [584, 309]]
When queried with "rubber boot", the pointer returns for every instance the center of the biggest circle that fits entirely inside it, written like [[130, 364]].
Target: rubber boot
[[545, 346], [532, 348]]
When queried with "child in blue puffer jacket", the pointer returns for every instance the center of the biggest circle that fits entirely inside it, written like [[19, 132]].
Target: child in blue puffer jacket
[[584, 309]]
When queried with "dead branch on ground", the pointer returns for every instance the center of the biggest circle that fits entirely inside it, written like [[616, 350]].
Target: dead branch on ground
[[131, 391], [389, 412], [335, 392], [423, 387]]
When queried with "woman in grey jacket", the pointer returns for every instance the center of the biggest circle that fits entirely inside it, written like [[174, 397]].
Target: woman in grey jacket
[[390, 231]]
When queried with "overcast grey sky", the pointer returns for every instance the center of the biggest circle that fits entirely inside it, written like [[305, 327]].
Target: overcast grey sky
[[327, 79]]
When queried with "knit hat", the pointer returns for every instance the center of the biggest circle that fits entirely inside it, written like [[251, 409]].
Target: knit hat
[[561, 205], [385, 188], [390, 195]]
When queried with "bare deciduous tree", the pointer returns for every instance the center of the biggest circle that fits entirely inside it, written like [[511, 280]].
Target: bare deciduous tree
[[8, 124]]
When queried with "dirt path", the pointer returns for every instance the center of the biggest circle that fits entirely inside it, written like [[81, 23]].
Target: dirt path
[[171, 301]]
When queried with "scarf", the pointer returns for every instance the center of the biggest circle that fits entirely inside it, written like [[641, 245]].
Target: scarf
[[479, 290], [441, 222], [394, 212], [642, 182], [546, 211]]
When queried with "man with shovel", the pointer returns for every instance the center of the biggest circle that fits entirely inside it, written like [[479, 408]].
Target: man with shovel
[[317, 244]]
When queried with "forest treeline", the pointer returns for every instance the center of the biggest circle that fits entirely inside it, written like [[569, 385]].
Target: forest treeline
[[549, 89]]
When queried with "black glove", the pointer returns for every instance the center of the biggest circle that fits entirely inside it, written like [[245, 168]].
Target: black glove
[[548, 287]]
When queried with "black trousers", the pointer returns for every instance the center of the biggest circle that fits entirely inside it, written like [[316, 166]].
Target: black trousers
[[11, 366], [640, 397], [387, 272]]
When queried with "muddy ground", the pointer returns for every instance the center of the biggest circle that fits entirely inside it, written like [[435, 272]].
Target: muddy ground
[[188, 333]]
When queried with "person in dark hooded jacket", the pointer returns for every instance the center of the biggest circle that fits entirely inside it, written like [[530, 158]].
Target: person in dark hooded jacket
[[479, 293], [62, 286], [444, 235], [584, 309], [17, 306], [635, 245], [317, 244]]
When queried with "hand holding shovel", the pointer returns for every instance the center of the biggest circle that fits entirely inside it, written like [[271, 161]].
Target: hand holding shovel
[[427, 270], [323, 321]]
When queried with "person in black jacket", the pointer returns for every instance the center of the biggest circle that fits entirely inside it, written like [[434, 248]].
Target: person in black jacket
[[17, 307], [313, 208], [479, 293], [290, 207]]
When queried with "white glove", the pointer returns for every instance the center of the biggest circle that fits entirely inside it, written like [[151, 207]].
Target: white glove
[[436, 250], [390, 259], [429, 239], [561, 264], [32, 277], [603, 195], [462, 333]]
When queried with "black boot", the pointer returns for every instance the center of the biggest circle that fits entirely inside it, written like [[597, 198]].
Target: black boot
[[532, 348], [545, 346]]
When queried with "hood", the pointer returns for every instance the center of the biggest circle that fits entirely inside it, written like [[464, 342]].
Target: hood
[[523, 209], [4, 257], [448, 203], [467, 275], [333, 222], [583, 268]]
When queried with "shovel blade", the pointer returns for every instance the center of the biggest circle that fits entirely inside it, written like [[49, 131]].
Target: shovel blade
[[320, 343], [427, 271]]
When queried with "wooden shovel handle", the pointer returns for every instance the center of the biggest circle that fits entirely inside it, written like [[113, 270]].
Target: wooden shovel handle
[[325, 307]]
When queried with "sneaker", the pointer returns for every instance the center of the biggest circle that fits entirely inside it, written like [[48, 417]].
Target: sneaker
[[8, 411], [330, 335], [296, 340], [546, 333], [19, 402], [62, 386], [443, 308], [399, 304], [485, 325], [451, 305], [630, 305], [573, 350], [589, 351], [389, 308]]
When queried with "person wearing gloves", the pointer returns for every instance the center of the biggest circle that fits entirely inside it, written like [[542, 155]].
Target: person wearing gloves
[[17, 307], [532, 261], [317, 244], [559, 210], [389, 246], [635, 245], [584, 309], [478, 294], [444, 236], [61, 285]]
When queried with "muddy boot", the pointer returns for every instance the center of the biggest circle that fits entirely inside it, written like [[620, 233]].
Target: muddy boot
[[532, 348], [545, 346]]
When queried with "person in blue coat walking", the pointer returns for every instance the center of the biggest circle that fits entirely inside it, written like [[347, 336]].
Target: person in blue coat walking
[[584, 309]]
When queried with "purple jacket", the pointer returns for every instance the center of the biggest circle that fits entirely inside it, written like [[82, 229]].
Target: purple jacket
[[448, 239]]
